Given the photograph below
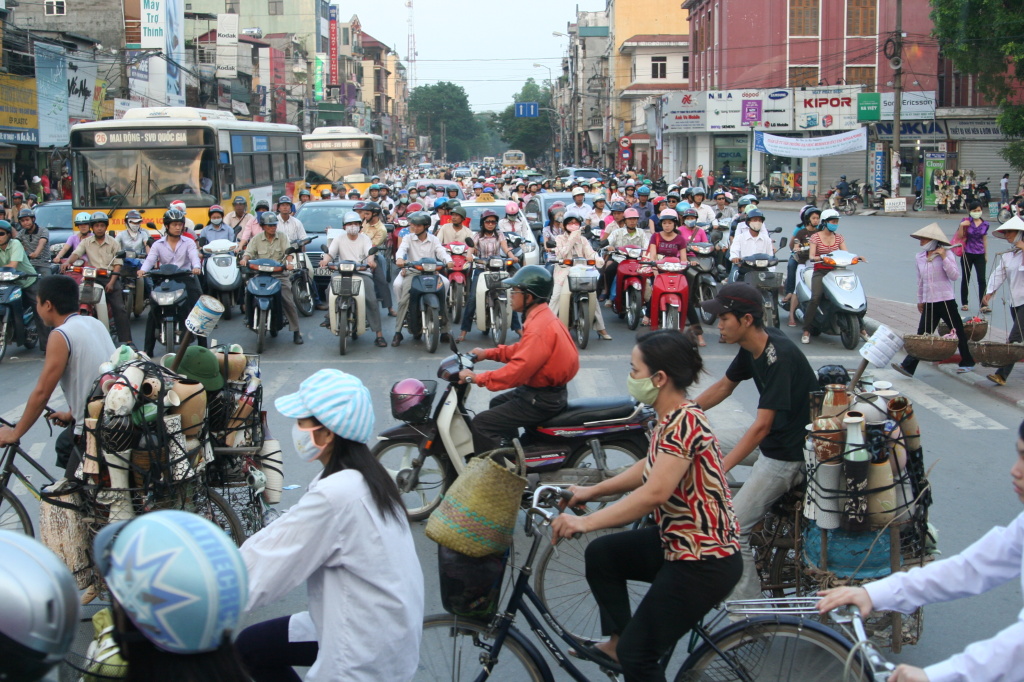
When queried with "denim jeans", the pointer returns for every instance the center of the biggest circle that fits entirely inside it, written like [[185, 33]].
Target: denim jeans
[[769, 480]]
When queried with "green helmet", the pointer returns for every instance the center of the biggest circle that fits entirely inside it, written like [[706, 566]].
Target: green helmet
[[421, 218], [199, 364], [533, 279], [458, 210]]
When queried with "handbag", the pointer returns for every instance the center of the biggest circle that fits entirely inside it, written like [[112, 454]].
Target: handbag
[[957, 243], [478, 514]]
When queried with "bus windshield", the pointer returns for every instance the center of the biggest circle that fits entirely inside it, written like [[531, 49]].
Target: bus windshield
[[332, 166], [145, 178]]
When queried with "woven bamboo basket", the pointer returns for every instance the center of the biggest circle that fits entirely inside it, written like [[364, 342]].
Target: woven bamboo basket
[[976, 331], [928, 348], [994, 354]]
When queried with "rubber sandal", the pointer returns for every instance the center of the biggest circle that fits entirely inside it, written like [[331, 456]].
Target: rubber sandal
[[996, 379], [964, 370], [985, 309], [380, 342], [805, 337], [646, 322], [899, 368], [965, 307]]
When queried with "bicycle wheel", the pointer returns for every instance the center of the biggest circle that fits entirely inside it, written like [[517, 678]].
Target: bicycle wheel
[[773, 649], [560, 582], [13, 515], [217, 509], [451, 648]]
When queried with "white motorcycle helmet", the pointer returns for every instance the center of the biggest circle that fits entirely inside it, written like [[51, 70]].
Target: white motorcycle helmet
[[828, 214]]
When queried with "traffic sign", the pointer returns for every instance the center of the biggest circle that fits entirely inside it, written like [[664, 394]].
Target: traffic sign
[[527, 109], [625, 142]]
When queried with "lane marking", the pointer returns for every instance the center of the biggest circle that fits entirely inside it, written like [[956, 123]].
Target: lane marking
[[948, 408]]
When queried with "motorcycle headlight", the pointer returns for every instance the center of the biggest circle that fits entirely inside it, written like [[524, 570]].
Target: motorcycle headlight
[[529, 247], [457, 249], [496, 263], [633, 253], [89, 273], [266, 268], [8, 276], [847, 282], [167, 297], [670, 267], [761, 263], [346, 267], [429, 267]]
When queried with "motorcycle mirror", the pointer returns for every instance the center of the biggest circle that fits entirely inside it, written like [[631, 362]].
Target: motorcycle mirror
[[451, 344], [374, 250], [783, 242], [550, 244], [324, 247], [198, 227], [718, 216], [777, 230], [120, 254]]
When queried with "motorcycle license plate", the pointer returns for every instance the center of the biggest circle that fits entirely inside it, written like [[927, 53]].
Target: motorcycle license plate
[[322, 272]]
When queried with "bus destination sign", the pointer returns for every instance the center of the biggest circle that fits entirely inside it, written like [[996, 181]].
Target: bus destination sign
[[317, 145], [141, 138]]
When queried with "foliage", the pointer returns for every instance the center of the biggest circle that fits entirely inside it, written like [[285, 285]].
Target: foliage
[[532, 136], [984, 38], [429, 105]]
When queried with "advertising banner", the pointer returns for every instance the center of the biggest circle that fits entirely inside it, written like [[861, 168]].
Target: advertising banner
[[725, 111], [869, 106], [227, 46], [174, 47], [974, 129], [332, 43], [751, 112], [19, 118], [148, 78], [934, 164], [683, 112], [123, 105], [81, 87], [806, 147], [52, 95], [318, 76], [878, 166], [264, 82], [880, 106], [828, 108], [732, 110], [776, 110]]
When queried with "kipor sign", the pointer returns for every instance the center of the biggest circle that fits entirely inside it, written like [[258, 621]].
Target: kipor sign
[[831, 108]]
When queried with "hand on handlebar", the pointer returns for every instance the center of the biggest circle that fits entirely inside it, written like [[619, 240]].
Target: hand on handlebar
[[844, 596], [62, 419]]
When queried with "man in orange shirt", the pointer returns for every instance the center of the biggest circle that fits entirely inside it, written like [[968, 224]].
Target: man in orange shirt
[[538, 368]]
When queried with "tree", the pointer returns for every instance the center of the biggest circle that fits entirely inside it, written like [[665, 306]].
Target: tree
[[983, 38], [429, 105], [532, 136]]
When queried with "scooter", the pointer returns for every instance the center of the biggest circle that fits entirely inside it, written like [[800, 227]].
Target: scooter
[[493, 312], [670, 294], [878, 196], [134, 295], [425, 295], [221, 272], [92, 295], [628, 301], [1007, 211], [701, 257], [264, 303], [458, 279], [843, 304], [167, 310], [432, 447], [347, 300], [759, 271], [17, 321], [577, 303]]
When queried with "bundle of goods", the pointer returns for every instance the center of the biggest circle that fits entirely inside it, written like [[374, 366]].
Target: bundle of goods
[[865, 512]]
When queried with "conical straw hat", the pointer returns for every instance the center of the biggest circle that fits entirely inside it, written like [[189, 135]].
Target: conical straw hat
[[932, 231], [1014, 223]]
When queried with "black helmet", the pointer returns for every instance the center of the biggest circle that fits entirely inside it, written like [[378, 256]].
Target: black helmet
[[534, 280], [371, 206], [458, 210], [262, 203], [133, 216], [842, 177], [421, 218], [101, 217], [171, 215], [488, 214], [26, 213], [268, 218]]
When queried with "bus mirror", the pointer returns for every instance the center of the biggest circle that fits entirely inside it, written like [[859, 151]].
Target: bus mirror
[[227, 173]]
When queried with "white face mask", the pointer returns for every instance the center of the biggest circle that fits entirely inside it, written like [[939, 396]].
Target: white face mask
[[690, 222], [754, 226], [975, 214], [352, 229], [305, 447], [216, 221]]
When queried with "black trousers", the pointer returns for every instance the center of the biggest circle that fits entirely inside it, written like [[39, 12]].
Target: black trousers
[[933, 313], [269, 656], [1015, 335], [681, 593], [968, 261], [523, 406]]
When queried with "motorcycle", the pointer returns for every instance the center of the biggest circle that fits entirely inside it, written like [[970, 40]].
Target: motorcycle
[[577, 304], [302, 280], [347, 300], [264, 306], [17, 321], [843, 304], [493, 312], [134, 295], [432, 446], [458, 280], [424, 316], [168, 305], [878, 196], [670, 294], [701, 257], [92, 295], [758, 270], [1007, 211], [628, 301], [221, 272]]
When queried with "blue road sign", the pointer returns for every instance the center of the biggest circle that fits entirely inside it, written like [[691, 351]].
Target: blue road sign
[[527, 110]]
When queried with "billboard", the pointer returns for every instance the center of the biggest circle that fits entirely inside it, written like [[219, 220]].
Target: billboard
[[880, 106], [162, 26], [736, 110], [227, 46], [776, 109], [174, 47], [82, 84], [19, 118], [826, 108], [725, 109], [52, 95], [332, 50]]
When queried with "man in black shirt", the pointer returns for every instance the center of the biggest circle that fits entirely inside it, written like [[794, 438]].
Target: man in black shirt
[[785, 380]]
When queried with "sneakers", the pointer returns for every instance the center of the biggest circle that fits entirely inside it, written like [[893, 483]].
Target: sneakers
[[996, 379], [899, 368], [964, 370], [805, 337]]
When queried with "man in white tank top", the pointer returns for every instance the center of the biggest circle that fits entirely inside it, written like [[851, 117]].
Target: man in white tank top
[[74, 352]]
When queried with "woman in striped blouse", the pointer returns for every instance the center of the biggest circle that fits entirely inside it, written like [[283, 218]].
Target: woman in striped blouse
[[690, 555]]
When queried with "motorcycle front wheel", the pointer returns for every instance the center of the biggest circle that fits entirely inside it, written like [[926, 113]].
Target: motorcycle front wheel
[[343, 331], [581, 323], [225, 299], [849, 330], [849, 207], [169, 340], [6, 333], [634, 305], [706, 293], [261, 331], [435, 475], [456, 301], [499, 328], [1004, 215], [302, 291], [431, 327], [671, 318]]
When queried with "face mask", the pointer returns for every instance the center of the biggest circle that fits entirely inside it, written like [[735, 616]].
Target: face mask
[[975, 214], [305, 448], [216, 221], [832, 227], [404, 200], [352, 229], [690, 222], [754, 227], [572, 227], [643, 390]]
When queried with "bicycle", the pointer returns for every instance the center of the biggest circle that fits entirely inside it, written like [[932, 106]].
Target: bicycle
[[781, 645], [13, 515]]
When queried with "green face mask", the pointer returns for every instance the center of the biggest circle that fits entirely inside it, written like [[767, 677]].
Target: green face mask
[[643, 389]]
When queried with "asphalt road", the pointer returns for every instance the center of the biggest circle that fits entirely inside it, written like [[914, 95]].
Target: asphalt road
[[968, 437]]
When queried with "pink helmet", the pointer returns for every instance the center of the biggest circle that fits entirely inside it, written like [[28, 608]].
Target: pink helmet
[[511, 208], [631, 213], [407, 394], [669, 214]]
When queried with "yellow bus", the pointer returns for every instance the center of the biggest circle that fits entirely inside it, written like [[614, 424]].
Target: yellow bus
[[341, 155], [154, 156], [513, 158]]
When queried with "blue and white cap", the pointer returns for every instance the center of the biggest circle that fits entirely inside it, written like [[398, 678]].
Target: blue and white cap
[[179, 577], [337, 400]]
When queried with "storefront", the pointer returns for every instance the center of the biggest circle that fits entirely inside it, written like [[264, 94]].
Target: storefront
[[731, 157]]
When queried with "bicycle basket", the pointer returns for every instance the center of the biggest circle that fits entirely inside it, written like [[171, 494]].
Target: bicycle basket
[[587, 282], [345, 286], [90, 295], [495, 280], [412, 407], [470, 587]]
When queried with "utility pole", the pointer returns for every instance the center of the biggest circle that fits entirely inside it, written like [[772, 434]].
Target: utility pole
[[444, 144], [897, 104], [308, 107]]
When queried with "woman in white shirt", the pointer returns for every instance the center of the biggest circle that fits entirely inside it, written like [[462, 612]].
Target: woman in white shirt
[[354, 245], [349, 541]]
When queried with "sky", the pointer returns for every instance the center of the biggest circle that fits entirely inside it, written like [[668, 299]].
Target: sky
[[488, 47]]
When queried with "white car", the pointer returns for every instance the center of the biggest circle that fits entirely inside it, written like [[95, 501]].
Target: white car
[[531, 251]]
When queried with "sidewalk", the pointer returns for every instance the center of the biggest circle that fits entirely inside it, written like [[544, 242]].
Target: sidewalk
[[902, 318], [797, 205]]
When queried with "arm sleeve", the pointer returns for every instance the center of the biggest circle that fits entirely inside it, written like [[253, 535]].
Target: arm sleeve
[[563, 247], [949, 265], [271, 555], [250, 248], [403, 248], [995, 280], [734, 250], [150, 261], [740, 369], [522, 362], [440, 253], [193, 253]]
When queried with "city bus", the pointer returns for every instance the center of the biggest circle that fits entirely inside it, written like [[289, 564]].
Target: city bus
[[513, 158], [341, 155], [154, 156]]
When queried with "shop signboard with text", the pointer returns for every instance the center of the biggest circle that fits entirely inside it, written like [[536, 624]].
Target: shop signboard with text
[[683, 112], [880, 106], [19, 117], [826, 108]]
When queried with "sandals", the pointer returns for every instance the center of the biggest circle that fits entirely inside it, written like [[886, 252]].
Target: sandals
[[462, 337], [985, 309], [805, 337], [965, 307], [380, 342]]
